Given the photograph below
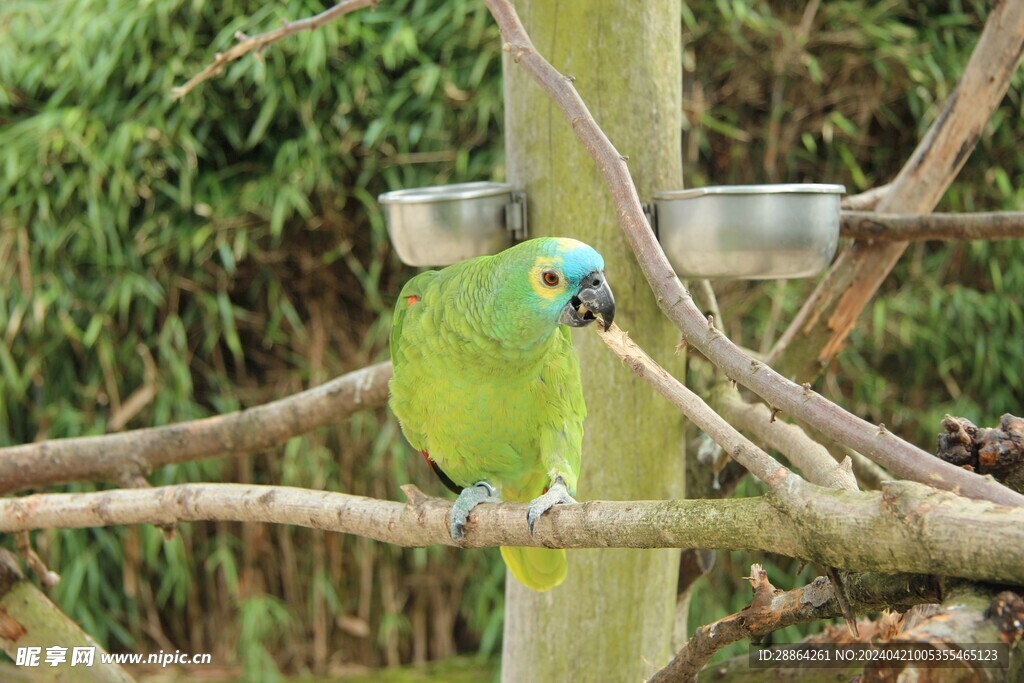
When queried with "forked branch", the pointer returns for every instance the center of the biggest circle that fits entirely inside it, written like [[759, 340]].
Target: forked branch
[[127, 456], [760, 464]]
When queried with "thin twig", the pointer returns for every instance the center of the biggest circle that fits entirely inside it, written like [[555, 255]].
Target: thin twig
[[126, 456], [867, 225], [907, 527], [865, 201], [247, 44], [813, 460], [900, 457], [707, 294], [760, 464], [46, 576]]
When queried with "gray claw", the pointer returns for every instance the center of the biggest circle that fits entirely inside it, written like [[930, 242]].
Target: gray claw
[[556, 494], [480, 492]]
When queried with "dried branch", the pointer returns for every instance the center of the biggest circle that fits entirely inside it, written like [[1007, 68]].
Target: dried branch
[[760, 464], [126, 456], [814, 461], [907, 527], [900, 457], [882, 227], [820, 329], [772, 609], [247, 44]]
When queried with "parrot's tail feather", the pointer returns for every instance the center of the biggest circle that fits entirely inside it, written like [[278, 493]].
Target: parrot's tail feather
[[536, 568]]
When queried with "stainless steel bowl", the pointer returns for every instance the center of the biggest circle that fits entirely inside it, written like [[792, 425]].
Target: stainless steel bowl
[[441, 225], [750, 232]]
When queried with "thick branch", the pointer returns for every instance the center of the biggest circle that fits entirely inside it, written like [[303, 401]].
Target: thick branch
[[900, 457], [906, 527], [120, 457], [820, 329], [247, 44], [772, 610], [882, 227]]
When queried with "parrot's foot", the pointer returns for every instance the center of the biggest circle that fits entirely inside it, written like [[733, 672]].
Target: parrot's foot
[[480, 492], [556, 493]]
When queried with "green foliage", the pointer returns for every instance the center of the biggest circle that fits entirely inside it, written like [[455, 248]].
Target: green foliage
[[168, 260], [265, 622]]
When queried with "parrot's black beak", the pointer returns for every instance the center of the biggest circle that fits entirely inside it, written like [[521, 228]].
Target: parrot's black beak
[[594, 298]]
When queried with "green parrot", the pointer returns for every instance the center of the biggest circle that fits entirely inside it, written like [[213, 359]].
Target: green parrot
[[487, 386]]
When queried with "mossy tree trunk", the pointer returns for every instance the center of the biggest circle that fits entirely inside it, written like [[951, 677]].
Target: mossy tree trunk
[[612, 619]]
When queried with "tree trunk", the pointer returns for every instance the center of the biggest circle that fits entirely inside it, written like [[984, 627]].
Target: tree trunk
[[612, 619]]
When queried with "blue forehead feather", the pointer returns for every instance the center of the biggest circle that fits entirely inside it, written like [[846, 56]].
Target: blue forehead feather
[[578, 259]]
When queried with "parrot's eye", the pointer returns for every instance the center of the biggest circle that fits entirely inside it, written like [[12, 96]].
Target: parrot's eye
[[550, 278]]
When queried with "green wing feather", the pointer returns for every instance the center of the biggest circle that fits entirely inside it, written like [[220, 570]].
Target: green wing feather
[[416, 287]]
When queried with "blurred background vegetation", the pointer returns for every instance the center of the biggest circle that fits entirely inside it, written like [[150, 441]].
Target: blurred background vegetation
[[164, 261]]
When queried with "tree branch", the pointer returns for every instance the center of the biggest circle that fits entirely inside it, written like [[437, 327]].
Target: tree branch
[[820, 329], [760, 464], [906, 527], [247, 44], [865, 201], [128, 455], [813, 459], [772, 610], [882, 227], [900, 457]]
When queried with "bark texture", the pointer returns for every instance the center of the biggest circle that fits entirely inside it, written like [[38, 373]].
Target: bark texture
[[626, 65], [880, 227]]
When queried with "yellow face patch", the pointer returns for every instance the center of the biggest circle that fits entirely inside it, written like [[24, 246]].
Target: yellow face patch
[[542, 264]]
